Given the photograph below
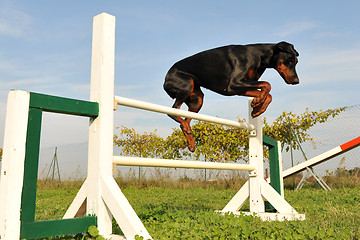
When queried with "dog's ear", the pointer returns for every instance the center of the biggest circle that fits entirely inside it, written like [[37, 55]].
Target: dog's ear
[[287, 47]]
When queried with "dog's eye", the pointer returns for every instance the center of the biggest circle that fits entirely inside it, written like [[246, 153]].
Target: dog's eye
[[291, 60]]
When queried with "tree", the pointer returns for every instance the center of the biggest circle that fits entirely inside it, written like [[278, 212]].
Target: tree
[[139, 145], [175, 146], [220, 143], [146, 145], [287, 124]]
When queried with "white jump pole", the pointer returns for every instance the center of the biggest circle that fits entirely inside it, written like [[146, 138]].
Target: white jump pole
[[169, 163], [177, 112]]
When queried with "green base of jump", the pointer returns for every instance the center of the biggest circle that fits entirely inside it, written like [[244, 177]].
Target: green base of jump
[[31, 229], [41, 229]]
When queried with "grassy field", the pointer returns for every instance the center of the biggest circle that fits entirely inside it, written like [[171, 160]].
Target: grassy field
[[185, 212]]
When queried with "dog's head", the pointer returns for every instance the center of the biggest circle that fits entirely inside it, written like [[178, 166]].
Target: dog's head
[[285, 60]]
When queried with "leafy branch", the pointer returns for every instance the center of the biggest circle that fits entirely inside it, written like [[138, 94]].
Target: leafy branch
[[219, 143], [288, 123]]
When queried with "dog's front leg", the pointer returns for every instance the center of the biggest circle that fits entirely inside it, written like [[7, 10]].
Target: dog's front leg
[[262, 95], [257, 89], [262, 108], [262, 98], [259, 108]]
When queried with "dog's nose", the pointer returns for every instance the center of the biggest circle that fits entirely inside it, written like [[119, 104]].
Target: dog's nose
[[295, 81]]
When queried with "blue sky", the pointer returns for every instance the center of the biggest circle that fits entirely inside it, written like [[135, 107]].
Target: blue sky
[[45, 46]]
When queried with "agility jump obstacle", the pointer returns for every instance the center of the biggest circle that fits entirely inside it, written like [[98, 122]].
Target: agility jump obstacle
[[323, 157], [100, 197]]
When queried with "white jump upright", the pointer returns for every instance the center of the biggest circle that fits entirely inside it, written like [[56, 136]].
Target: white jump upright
[[12, 171], [102, 195], [256, 189]]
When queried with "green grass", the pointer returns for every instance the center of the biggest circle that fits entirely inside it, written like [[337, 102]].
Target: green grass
[[188, 213]]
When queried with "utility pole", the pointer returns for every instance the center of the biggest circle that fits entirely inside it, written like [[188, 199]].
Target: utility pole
[[54, 168]]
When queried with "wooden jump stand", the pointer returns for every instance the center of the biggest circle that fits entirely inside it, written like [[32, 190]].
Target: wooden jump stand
[[99, 198]]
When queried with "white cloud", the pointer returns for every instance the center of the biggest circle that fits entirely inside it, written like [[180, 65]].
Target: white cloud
[[338, 57], [296, 27], [335, 65], [23, 82], [14, 23]]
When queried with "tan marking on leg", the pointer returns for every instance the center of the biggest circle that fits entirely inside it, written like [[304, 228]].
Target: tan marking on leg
[[262, 108]]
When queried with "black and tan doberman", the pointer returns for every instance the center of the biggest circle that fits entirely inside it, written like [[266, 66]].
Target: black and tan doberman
[[229, 70]]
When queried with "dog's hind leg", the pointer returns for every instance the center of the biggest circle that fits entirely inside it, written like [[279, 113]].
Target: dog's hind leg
[[185, 127], [184, 124], [194, 102], [182, 87]]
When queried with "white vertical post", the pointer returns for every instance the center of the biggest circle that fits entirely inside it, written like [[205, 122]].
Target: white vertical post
[[101, 129], [12, 171], [256, 159], [280, 169], [104, 197]]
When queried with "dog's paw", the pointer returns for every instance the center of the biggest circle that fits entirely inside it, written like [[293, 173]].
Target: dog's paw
[[191, 143], [256, 112], [191, 148], [256, 102], [185, 128]]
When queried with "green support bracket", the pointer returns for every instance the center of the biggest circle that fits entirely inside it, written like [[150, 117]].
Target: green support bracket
[[275, 180], [62, 105], [28, 197], [31, 229]]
